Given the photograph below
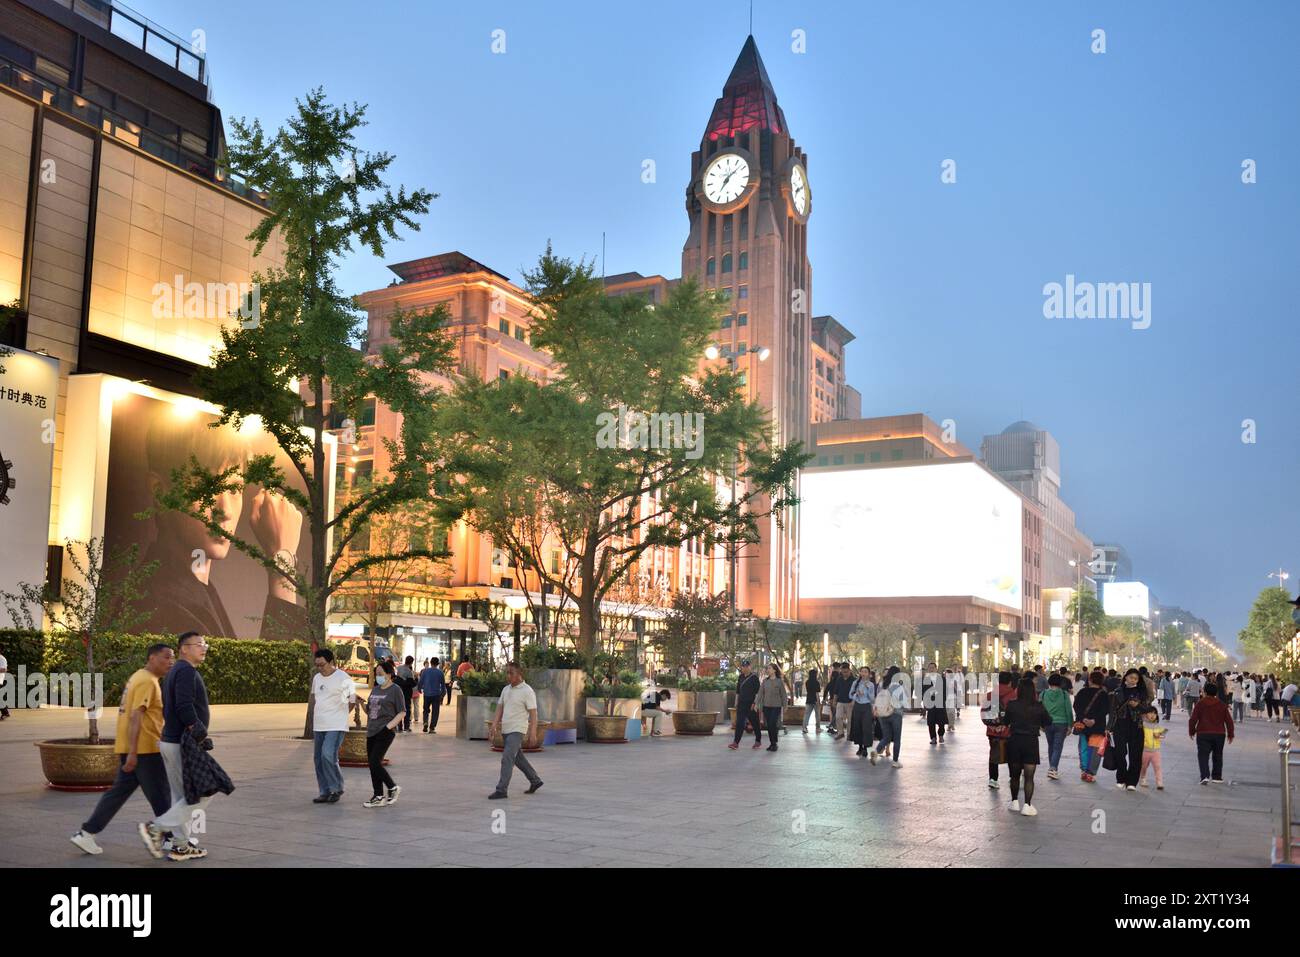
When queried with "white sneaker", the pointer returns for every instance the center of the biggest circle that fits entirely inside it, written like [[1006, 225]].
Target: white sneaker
[[1119, 786], [1053, 776], [393, 793], [1014, 806], [1205, 781], [875, 756], [86, 842], [1130, 788], [897, 765], [375, 802], [993, 783], [1143, 784], [1029, 811]]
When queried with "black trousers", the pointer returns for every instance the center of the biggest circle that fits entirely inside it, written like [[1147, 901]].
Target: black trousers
[[772, 718], [150, 776], [1128, 739], [376, 747], [432, 703], [448, 692], [1209, 755], [1165, 707], [745, 713], [936, 719]]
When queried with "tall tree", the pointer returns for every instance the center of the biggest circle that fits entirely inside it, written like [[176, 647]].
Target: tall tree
[[1269, 628], [324, 198], [587, 463], [689, 616], [1169, 644], [1085, 613], [882, 642]]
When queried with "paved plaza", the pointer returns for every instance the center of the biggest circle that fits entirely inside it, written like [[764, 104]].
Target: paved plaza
[[673, 801]]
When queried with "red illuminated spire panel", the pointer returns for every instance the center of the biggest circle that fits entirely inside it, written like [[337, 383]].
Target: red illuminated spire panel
[[747, 99]]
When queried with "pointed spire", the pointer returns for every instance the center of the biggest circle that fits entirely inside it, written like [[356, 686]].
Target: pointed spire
[[747, 98]]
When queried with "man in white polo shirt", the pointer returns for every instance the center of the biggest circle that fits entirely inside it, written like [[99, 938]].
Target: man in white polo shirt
[[516, 719]]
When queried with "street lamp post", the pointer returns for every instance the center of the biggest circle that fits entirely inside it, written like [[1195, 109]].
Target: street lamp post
[[733, 356], [517, 603]]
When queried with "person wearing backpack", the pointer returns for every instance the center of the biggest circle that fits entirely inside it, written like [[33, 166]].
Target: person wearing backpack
[[888, 708]]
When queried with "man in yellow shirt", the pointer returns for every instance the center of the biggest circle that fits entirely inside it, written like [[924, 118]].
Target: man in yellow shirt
[[139, 725]]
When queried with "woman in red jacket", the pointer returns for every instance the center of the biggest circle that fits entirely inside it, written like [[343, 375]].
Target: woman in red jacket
[[1210, 722]]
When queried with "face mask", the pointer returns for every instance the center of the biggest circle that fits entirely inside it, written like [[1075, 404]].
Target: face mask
[[381, 680]]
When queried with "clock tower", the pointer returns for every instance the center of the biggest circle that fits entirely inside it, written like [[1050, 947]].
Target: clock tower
[[749, 200]]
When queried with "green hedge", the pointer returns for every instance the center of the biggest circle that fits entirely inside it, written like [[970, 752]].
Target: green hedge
[[236, 671]]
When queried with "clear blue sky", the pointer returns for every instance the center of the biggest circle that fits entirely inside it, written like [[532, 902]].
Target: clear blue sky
[[1116, 167]]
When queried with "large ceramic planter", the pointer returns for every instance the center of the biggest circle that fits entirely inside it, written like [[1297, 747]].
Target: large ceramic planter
[[793, 714], [625, 708], [694, 722], [607, 728], [71, 764], [498, 742]]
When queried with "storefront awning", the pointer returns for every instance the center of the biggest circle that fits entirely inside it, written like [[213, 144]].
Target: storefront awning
[[434, 621]]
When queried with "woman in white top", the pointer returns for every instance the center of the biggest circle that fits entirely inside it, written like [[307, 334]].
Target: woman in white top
[[889, 706]]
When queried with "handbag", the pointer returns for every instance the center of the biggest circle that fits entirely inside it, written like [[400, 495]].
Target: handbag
[[1108, 759]]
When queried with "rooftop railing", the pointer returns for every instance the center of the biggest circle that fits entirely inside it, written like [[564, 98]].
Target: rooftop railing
[[111, 124], [142, 33]]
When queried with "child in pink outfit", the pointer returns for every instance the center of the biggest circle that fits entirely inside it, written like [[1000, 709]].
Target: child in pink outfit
[[1151, 753]]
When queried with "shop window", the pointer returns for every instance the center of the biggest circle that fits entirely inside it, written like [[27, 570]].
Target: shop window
[[726, 263], [710, 267], [744, 261]]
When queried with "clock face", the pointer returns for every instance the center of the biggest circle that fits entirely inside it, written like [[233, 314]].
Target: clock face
[[799, 190], [726, 178]]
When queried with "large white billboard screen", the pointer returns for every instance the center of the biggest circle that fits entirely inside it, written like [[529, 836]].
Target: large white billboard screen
[[1126, 599], [910, 531]]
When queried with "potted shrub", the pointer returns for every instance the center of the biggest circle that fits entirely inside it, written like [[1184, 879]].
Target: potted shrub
[[706, 695], [479, 693], [93, 605], [610, 688]]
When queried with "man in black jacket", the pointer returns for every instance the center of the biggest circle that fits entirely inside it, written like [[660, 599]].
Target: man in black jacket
[[747, 686], [185, 711]]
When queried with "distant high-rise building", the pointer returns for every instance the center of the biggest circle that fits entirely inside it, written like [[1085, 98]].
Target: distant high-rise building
[[1029, 459], [1110, 563]]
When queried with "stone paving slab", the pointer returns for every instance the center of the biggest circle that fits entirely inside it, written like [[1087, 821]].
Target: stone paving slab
[[674, 802]]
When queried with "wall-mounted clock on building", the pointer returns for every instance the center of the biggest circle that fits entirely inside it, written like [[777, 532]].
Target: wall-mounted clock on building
[[729, 180], [798, 194], [6, 479]]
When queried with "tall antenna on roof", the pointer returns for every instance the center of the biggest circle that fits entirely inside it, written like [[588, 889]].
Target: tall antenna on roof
[[751, 17]]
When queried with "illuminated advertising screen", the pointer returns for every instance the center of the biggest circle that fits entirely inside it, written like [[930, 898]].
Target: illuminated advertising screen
[[1126, 599], [29, 388], [202, 583], [911, 531]]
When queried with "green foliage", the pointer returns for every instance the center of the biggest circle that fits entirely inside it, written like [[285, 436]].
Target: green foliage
[[22, 646], [236, 671], [666, 679], [688, 615], [483, 684], [535, 656], [619, 689], [710, 683], [1269, 627], [326, 197], [1084, 611], [541, 461]]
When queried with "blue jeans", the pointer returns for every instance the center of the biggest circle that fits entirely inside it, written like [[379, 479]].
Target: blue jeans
[[325, 750], [1056, 735], [891, 729]]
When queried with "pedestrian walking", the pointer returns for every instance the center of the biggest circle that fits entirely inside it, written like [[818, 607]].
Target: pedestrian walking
[[747, 688], [433, 685], [1288, 702], [186, 714], [1166, 694], [934, 700], [1209, 725], [385, 713], [332, 696], [995, 726], [1025, 717], [771, 699], [1057, 704], [1270, 698], [1153, 736], [862, 695], [1128, 709], [404, 678], [1091, 709], [516, 721], [813, 704], [888, 707], [1192, 693], [842, 701], [140, 764]]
